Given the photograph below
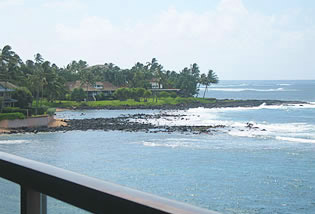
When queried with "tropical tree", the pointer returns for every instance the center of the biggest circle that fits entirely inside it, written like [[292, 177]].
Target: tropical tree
[[139, 93], [23, 96], [212, 78], [201, 81], [72, 71], [146, 95], [88, 79], [187, 81], [37, 78], [9, 66], [157, 70], [78, 94], [122, 94]]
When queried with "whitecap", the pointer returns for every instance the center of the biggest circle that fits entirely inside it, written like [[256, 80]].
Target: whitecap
[[249, 89], [8, 142], [170, 144], [295, 139], [284, 84]]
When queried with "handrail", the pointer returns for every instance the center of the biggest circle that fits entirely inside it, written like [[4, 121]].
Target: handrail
[[87, 193]]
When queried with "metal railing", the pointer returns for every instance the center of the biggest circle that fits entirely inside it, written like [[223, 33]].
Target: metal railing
[[38, 179]]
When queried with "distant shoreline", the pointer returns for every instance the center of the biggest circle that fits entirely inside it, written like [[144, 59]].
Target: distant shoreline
[[123, 123], [220, 103]]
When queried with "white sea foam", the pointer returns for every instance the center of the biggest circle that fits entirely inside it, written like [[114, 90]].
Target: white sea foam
[[293, 132], [250, 89], [171, 144], [284, 84], [211, 116], [13, 141], [297, 132], [295, 139], [227, 86], [250, 133]]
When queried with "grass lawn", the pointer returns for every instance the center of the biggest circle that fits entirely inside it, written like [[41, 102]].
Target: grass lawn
[[129, 102]]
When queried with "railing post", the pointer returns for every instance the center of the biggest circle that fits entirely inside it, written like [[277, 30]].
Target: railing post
[[43, 203], [32, 202]]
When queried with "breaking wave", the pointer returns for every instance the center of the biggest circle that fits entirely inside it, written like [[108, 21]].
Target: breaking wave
[[249, 89], [9, 142]]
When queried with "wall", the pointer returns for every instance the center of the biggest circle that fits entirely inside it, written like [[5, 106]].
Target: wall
[[29, 122]]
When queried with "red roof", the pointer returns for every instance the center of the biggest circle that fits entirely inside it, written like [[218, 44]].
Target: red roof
[[99, 86]]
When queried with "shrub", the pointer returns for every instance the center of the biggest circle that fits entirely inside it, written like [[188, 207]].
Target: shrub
[[173, 94], [78, 94], [23, 96], [147, 94], [133, 94], [14, 110], [140, 92], [164, 94], [11, 116], [122, 94], [40, 110], [68, 97], [51, 111], [100, 96]]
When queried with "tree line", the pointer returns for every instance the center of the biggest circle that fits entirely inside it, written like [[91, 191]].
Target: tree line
[[45, 79]]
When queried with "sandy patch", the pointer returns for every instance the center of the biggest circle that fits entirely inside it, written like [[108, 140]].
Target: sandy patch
[[3, 131], [60, 109], [57, 123]]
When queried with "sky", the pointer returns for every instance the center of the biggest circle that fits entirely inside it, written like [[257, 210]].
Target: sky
[[238, 39]]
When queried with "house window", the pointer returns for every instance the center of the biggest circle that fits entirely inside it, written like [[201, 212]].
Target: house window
[[98, 86]]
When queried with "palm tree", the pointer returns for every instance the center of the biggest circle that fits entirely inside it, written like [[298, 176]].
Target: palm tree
[[212, 78], [9, 63], [87, 78], [201, 81]]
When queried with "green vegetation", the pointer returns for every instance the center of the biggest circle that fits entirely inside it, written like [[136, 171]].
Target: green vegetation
[[43, 84], [127, 102], [51, 111], [23, 96], [15, 110], [11, 116], [78, 95]]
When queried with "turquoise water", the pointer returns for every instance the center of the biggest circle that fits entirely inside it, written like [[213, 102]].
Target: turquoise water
[[234, 170]]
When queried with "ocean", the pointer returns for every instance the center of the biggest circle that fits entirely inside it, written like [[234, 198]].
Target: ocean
[[233, 170]]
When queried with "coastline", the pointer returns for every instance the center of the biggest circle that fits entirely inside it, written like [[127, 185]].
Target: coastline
[[125, 123], [219, 103]]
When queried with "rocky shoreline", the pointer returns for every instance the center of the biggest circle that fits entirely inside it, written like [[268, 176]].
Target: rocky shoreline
[[219, 103], [129, 122], [120, 124]]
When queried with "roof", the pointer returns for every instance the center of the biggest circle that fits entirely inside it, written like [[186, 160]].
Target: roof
[[155, 80], [105, 86], [7, 85], [9, 100]]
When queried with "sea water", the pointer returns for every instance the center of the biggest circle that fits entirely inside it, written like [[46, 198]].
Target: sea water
[[268, 169]]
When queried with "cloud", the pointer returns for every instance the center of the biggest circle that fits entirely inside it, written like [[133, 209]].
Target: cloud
[[10, 3], [91, 29], [227, 39], [64, 5]]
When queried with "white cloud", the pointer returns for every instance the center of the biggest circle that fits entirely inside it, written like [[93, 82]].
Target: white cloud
[[64, 5], [10, 3], [91, 29], [227, 39]]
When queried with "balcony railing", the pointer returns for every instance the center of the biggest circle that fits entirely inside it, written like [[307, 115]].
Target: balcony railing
[[38, 180]]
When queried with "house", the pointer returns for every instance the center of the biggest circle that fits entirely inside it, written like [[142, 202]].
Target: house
[[157, 87], [6, 89], [105, 87], [155, 83]]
